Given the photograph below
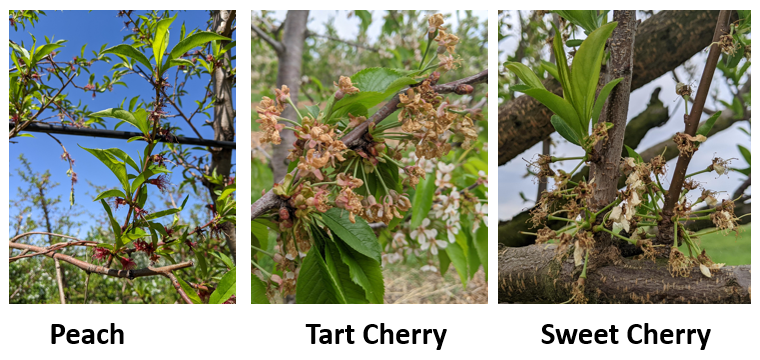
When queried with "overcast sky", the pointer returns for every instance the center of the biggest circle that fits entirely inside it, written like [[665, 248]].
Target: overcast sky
[[723, 144]]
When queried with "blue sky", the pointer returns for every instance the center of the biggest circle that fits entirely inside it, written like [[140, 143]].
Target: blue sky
[[722, 144], [95, 29]]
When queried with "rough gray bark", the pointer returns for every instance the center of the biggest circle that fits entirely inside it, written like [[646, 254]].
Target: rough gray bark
[[606, 160], [289, 73], [664, 41], [224, 117], [535, 274]]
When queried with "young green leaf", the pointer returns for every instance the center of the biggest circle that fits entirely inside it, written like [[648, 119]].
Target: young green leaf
[[109, 194], [364, 271], [123, 115], [117, 167], [564, 130], [197, 39], [632, 153], [130, 52], [559, 106], [587, 64], [602, 98], [525, 74], [189, 291], [746, 154], [161, 40], [314, 284], [226, 288], [705, 128]]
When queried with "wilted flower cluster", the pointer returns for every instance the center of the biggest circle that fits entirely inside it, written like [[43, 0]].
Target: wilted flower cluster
[[269, 111]]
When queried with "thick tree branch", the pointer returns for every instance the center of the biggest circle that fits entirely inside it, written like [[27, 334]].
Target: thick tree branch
[[535, 274], [356, 137]]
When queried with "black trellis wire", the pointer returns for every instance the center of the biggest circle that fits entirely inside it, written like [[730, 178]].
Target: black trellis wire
[[115, 134]]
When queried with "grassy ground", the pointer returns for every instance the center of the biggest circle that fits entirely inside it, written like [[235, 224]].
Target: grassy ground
[[406, 284], [727, 249]]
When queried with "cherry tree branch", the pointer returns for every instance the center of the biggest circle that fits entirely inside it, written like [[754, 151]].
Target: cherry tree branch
[[354, 138], [276, 45]]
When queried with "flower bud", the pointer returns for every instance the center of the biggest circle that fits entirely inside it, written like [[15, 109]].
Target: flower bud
[[464, 89]]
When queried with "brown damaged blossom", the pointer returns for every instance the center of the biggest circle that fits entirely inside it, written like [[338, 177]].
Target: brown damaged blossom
[[727, 45], [545, 235], [435, 22], [268, 115], [446, 42], [720, 166], [345, 85], [687, 143], [678, 264], [351, 202], [724, 217]]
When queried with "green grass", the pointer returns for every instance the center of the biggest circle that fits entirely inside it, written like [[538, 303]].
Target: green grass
[[727, 249]]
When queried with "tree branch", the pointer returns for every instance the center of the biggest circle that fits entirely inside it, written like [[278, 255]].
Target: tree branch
[[276, 45], [535, 274], [692, 121], [331, 38]]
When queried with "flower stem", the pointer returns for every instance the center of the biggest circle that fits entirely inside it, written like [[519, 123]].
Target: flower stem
[[708, 169], [290, 101], [288, 121]]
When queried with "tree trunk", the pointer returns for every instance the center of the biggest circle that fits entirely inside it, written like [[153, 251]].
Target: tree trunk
[[664, 41], [289, 73], [224, 117], [535, 274]]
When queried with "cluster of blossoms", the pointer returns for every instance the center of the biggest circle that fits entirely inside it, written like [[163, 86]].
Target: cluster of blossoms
[[633, 216], [425, 115], [269, 112]]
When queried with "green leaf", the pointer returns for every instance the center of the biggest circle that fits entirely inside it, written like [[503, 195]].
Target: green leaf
[[140, 179], [189, 291], [345, 287], [375, 85], [746, 154], [587, 64], [44, 50], [225, 259], [125, 116], [559, 106], [114, 224], [109, 194], [201, 264], [443, 262], [258, 291], [423, 200], [197, 39], [481, 246], [564, 130], [313, 285], [602, 98], [130, 52], [120, 154], [562, 70], [117, 167], [705, 128], [632, 153], [365, 272], [525, 74], [359, 236], [162, 213], [459, 259], [550, 68], [574, 42], [161, 40], [225, 288], [583, 18]]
